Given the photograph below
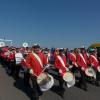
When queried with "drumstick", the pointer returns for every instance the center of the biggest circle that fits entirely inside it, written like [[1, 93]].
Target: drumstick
[[43, 70], [40, 73], [34, 75]]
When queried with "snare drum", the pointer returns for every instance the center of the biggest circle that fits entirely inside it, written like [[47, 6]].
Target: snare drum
[[69, 78], [90, 72], [45, 81]]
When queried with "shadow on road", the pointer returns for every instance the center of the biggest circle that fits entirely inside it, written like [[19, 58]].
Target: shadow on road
[[56, 89], [19, 84]]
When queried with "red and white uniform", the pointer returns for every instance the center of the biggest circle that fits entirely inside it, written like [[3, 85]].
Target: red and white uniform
[[94, 61], [82, 61], [60, 63], [72, 57], [36, 62], [47, 56]]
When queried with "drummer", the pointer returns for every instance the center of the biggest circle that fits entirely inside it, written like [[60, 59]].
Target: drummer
[[36, 61], [61, 65], [72, 56], [82, 65], [94, 62]]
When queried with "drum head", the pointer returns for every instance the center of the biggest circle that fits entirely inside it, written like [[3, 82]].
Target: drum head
[[68, 77], [48, 85], [90, 72], [41, 77]]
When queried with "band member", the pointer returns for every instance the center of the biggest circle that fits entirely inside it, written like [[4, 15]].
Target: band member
[[55, 53], [47, 55], [61, 65], [11, 62], [18, 59], [94, 62], [26, 70], [36, 62], [82, 65], [72, 56]]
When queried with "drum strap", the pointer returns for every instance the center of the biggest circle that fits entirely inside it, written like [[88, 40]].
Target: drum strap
[[38, 59], [82, 58], [94, 58], [62, 62]]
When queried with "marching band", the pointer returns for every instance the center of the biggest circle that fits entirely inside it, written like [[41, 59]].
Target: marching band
[[36, 63]]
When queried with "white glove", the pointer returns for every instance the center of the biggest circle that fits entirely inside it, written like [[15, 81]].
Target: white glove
[[31, 71], [60, 71], [70, 66], [67, 69], [83, 68], [76, 65], [92, 65], [47, 66]]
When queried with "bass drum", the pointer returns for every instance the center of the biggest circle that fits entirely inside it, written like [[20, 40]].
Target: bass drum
[[45, 81], [69, 78]]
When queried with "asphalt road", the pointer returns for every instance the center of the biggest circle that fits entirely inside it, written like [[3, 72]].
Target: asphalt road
[[14, 90]]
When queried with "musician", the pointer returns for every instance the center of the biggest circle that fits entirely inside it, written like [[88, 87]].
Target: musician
[[56, 52], [26, 70], [82, 65], [18, 59], [94, 62], [72, 56], [36, 61], [61, 65], [11, 62]]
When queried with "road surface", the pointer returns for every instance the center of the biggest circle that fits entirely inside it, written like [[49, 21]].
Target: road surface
[[14, 90]]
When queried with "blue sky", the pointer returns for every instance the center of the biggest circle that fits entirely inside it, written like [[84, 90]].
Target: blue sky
[[57, 23]]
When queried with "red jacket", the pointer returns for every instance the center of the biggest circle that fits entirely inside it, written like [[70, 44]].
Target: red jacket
[[47, 59], [82, 60], [33, 63], [72, 57], [93, 61], [59, 65]]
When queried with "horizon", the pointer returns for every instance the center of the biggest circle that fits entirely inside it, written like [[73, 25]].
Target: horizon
[[51, 23]]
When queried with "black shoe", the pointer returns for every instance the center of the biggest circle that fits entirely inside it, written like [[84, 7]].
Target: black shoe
[[97, 84], [65, 83], [85, 89], [78, 85], [62, 96], [81, 86], [40, 93]]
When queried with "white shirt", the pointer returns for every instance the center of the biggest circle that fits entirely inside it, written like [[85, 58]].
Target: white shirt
[[18, 58]]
